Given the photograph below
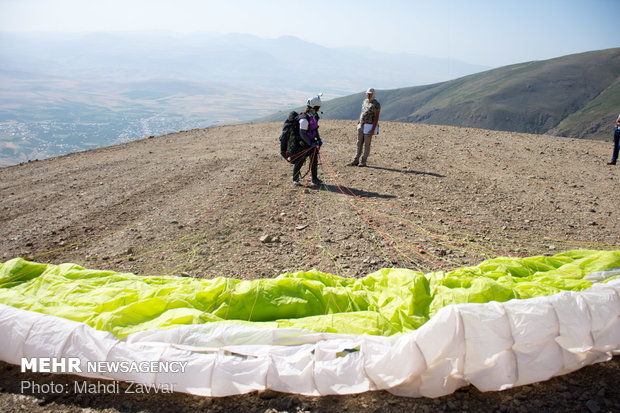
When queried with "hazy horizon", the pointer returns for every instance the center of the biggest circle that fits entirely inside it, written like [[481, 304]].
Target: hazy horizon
[[480, 32]]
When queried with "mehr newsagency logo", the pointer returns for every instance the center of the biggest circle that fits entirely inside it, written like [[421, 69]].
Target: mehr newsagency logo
[[70, 365], [74, 365]]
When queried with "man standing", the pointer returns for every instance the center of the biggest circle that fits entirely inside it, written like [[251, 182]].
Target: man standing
[[367, 126], [614, 156]]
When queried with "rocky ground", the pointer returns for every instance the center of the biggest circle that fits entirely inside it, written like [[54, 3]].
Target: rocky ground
[[219, 202]]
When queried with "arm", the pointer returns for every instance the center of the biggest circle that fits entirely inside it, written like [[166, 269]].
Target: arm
[[618, 121], [303, 133], [374, 124]]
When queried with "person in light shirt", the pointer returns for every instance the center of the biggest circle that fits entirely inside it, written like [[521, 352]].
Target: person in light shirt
[[367, 126]]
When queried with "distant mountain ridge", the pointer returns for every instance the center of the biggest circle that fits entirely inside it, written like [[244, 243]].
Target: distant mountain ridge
[[575, 96], [64, 93]]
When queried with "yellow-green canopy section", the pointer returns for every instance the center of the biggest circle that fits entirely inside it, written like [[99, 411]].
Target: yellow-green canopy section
[[386, 302]]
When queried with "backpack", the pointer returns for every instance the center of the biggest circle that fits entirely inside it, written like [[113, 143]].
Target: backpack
[[289, 138]]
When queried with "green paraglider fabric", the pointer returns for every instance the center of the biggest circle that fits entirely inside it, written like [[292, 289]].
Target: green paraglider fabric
[[387, 302]]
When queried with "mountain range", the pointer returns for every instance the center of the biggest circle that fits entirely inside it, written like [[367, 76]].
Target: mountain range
[[572, 96], [63, 93]]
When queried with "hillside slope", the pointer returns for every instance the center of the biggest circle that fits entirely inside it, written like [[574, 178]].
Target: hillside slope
[[219, 202], [592, 120], [574, 96]]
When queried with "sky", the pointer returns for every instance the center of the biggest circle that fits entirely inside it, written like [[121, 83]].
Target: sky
[[487, 32]]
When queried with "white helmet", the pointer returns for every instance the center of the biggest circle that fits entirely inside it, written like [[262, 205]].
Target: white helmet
[[315, 101]]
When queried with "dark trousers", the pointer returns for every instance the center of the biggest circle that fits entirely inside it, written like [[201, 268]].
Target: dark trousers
[[313, 154], [614, 156]]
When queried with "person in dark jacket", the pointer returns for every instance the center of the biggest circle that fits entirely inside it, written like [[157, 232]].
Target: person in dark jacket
[[614, 155]]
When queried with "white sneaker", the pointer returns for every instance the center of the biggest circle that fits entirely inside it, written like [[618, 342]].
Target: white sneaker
[[296, 183]]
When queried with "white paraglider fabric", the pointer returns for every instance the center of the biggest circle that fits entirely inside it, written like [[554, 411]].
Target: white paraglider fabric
[[493, 346]]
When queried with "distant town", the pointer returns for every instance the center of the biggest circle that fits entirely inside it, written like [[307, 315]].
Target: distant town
[[28, 141]]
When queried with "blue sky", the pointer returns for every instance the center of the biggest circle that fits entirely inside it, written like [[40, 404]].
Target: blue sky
[[487, 32]]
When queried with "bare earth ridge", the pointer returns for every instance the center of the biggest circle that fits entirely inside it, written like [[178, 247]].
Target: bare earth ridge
[[219, 202]]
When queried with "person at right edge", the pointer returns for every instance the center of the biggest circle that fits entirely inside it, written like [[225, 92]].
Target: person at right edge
[[309, 134], [366, 128], [614, 156]]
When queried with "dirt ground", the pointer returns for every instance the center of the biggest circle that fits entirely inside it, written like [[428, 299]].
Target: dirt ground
[[220, 202]]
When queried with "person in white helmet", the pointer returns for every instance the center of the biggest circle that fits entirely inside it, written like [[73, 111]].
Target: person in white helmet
[[310, 140], [367, 126]]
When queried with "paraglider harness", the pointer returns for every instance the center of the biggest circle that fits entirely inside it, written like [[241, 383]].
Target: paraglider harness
[[292, 145]]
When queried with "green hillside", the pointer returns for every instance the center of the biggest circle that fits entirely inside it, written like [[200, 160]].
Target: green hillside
[[576, 96], [593, 120]]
